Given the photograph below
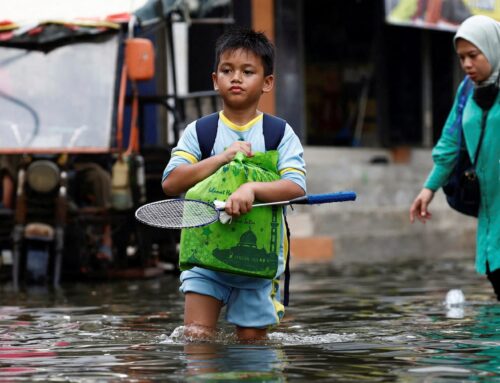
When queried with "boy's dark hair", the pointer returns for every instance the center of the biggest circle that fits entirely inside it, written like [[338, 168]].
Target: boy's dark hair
[[247, 39]]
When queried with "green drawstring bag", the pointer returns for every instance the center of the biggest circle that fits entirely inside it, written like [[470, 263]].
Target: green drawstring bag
[[250, 244]]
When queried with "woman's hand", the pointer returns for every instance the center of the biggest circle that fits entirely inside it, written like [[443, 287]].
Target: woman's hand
[[419, 206]]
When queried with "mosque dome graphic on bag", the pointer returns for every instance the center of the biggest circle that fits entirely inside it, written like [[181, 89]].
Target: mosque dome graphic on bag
[[246, 254]]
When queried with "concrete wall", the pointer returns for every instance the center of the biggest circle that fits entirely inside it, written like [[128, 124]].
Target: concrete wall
[[375, 227]]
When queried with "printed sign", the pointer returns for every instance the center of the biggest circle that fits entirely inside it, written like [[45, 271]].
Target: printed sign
[[438, 14]]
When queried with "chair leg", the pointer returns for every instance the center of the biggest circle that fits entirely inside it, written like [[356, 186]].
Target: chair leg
[[16, 254], [59, 245]]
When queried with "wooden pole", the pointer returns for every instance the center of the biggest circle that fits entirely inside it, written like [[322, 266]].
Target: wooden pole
[[263, 21]]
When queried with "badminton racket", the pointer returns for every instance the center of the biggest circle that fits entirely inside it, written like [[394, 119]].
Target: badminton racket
[[186, 213]]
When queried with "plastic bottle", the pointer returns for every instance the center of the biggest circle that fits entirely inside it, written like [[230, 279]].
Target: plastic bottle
[[121, 196]]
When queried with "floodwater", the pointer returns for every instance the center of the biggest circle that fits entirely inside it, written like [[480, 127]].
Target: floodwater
[[374, 323]]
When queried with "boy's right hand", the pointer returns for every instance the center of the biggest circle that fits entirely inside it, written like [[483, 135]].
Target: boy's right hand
[[241, 200], [237, 146], [419, 206]]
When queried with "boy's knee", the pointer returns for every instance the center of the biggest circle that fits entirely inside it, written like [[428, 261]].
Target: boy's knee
[[246, 334]]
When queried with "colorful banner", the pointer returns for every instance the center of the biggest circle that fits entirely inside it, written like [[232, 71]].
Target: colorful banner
[[438, 14]]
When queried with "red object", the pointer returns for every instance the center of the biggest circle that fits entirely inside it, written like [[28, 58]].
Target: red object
[[23, 352], [119, 17], [5, 22], [35, 31], [72, 27], [140, 59], [4, 36]]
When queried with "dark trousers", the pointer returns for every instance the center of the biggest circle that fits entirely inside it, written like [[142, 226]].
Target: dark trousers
[[494, 278]]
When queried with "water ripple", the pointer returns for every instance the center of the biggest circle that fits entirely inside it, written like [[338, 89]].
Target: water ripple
[[356, 324]]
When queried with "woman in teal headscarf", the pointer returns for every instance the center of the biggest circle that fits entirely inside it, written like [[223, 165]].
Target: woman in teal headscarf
[[477, 43]]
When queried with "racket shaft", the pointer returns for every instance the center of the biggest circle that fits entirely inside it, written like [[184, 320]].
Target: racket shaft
[[329, 197], [312, 199]]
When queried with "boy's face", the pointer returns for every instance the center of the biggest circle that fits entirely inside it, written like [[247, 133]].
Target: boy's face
[[240, 79]]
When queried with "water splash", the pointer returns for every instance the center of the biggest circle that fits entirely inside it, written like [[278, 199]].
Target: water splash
[[177, 337], [289, 339], [292, 339]]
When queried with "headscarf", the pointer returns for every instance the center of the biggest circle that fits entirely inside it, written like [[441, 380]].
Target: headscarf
[[484, 33]]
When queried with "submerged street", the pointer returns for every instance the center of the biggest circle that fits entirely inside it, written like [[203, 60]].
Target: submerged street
[[375, 322]]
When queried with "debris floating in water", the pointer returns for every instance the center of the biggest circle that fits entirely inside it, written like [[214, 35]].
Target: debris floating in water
[[454, 302], [454, 297]]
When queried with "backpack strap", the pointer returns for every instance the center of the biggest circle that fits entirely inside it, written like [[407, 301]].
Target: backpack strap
[[206, 131], [273, 129], [462, 100], [457, 125], [286, 285]]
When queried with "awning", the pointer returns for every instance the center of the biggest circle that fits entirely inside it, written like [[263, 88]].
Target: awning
[[45, 25]]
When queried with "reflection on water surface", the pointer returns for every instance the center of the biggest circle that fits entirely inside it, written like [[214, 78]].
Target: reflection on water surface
[[362, 323]]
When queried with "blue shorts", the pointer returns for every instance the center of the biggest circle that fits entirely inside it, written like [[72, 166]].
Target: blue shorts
[[245, 307]]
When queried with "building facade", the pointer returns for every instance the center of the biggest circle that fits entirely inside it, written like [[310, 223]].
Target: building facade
[[369, 73]]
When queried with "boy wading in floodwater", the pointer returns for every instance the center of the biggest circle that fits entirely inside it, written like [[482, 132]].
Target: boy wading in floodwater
[[243, 72]]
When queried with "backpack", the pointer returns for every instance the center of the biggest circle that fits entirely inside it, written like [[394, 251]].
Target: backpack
[[273, 130]]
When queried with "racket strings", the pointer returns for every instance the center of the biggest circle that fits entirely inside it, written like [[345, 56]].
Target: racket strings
[[177, 214]]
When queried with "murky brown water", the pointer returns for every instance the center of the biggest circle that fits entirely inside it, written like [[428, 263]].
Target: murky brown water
[[363, 323]]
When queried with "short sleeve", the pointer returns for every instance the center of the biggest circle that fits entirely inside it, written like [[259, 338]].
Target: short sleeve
[[187, 150], [291, 164]]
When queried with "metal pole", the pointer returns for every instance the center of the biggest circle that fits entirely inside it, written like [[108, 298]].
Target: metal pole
[[427, 127]]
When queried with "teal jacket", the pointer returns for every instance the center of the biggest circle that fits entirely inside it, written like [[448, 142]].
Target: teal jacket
[[487, 168]]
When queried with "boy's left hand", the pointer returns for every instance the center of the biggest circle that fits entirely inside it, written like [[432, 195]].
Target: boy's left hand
[[240, 202]]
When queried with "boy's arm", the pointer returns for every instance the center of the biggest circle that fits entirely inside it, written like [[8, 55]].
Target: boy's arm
[[240, 202], [185, 176], [292, 184]]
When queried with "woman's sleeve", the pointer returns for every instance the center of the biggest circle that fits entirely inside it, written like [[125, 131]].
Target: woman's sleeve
[[445, 152]]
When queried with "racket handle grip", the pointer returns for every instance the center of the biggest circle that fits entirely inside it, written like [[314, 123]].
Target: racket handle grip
[[313, 199]]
